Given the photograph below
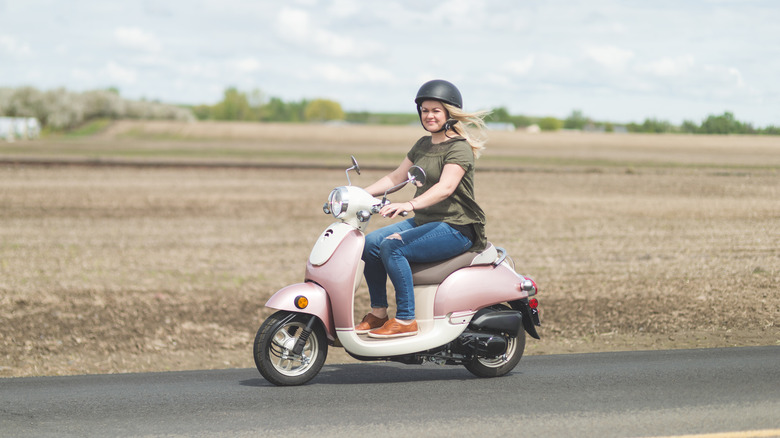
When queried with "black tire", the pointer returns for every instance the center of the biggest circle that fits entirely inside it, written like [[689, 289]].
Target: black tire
[[273, 349], [482, 367]]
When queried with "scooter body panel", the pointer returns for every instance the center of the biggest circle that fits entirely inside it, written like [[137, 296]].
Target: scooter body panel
[[475, 287], [342, 271], [319, 304], [328, 242], [442, 331]]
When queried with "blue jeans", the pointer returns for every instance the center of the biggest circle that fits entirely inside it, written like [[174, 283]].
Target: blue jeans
[[385, 257]]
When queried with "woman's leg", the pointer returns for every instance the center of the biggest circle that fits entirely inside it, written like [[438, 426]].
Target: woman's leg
[[430, 242], [374, 270]]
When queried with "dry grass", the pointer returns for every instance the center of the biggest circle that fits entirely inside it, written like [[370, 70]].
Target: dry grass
[[637, 242]]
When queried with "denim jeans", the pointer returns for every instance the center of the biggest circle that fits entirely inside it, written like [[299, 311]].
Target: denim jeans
[[385, 257]]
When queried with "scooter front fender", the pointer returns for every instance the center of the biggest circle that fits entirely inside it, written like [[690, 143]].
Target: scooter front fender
[[318, 303]]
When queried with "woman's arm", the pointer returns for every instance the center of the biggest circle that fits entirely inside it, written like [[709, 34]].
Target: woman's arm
[[451, 175], [391, 179]]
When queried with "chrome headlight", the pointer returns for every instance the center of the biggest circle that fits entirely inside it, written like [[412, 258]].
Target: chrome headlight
[[338, 202]]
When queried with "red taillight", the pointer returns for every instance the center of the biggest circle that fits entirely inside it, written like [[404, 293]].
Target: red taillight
[[533, 303]]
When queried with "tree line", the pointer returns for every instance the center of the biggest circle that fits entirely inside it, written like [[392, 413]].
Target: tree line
[[60, 109], [713, 124], [253, 107], [237, 105]]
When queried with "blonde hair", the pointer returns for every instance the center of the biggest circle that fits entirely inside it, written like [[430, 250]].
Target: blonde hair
[[470, 126]]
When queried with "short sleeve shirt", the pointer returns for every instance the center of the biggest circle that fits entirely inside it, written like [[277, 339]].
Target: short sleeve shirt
[[461, 207]]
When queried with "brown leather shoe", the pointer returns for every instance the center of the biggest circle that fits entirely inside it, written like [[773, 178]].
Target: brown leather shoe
[[394, 329], [368, 323]]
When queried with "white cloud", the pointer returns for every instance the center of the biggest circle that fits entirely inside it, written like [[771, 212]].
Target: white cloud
[[247, 65], [727, 81], [737, 75], [609, 56], [344, 8], [460, 14], [363, 73], [497, 79], [296, 26], [117, 73], [521, 66], [82, 75], [9, 45], [669, 67], [137, 39]]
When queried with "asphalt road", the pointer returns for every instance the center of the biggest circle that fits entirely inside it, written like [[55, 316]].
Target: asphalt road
[[652, 393]]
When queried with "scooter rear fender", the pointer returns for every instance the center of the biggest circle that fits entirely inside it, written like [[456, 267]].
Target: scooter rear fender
[[318, 303], [475, 287]]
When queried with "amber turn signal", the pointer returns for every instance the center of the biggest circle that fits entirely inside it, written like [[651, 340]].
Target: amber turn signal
[[301, 302]]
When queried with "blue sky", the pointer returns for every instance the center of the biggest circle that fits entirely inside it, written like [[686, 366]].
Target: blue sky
[[617, 61]]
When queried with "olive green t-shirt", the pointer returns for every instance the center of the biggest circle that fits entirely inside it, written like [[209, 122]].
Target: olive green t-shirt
[[461, 207]]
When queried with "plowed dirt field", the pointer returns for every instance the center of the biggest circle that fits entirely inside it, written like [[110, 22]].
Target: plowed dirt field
[[154, 246]]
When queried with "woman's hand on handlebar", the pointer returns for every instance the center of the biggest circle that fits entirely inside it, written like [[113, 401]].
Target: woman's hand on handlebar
[[394, 209]]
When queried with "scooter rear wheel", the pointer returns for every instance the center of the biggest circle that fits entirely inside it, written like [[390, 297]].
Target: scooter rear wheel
[[273, 349], [496, 367]]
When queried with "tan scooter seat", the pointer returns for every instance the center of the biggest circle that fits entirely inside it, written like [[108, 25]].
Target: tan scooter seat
[[436, 272]]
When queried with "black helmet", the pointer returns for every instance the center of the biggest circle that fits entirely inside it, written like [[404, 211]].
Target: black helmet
[[439, 89]]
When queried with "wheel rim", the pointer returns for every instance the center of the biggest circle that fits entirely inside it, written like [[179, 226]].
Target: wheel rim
[[503, 359], [280, 350]]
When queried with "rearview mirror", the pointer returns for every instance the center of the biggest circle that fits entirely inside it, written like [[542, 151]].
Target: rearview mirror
[[354, 167], [355, 164], [416, 176]]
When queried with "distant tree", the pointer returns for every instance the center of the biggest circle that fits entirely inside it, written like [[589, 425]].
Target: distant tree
[[256, 99], [655, 126], [277, 110], [60, 109], [771, 130], [234, 106], [576, 120], [202, 112], [689, 127], [358, 117], [522, 120], [321, 110], [500, 115], [633, 127], [366, 117], [725, 124], [718, 124], [103, 104], [550, 124]]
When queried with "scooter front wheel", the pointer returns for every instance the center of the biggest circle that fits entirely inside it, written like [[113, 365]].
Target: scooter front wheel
[[274, 345]]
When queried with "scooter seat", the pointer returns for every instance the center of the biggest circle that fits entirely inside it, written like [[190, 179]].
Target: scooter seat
[[436, 272]]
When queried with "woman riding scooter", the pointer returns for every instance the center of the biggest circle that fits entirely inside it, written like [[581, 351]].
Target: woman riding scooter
[[447, 219]]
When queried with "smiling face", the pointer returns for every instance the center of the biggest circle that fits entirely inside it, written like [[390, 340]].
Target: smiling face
[[433, 115]]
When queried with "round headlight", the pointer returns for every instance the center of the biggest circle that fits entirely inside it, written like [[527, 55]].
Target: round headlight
[[339, 202]]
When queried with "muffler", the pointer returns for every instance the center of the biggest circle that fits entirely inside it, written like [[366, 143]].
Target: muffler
[[508, 322]]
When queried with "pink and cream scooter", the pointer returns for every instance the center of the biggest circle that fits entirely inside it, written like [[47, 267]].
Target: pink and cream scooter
[[471, 310]]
